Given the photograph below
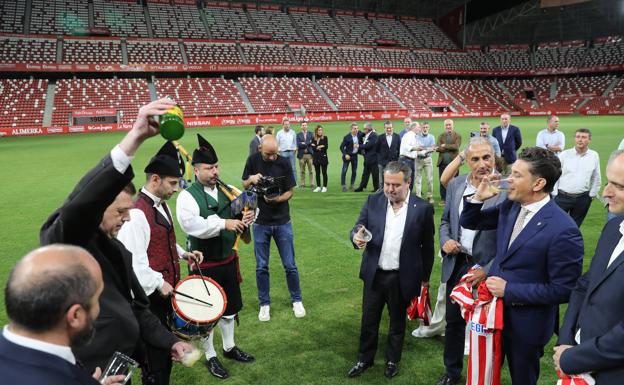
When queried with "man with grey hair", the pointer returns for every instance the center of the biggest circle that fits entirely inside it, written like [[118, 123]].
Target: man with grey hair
[[51, 299], [408, 151], [509, 138], [463, 249], [367, 150], [448, 147], [397, 259], [591, 339]]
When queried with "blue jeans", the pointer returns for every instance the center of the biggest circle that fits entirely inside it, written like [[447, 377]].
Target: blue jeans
[[290, 155], [283, 235], [345, 166]]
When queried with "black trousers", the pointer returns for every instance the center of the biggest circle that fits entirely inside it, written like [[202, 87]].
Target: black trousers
[[577, 206], [412, 165], [385, 290], [321, 168], [441, 168], [370, 169], [158, 361], [455, 331]]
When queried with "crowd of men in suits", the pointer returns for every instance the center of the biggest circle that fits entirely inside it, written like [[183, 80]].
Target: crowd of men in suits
[[99, 285]]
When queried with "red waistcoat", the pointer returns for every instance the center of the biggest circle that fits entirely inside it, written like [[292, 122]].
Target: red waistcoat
[[161, 251]]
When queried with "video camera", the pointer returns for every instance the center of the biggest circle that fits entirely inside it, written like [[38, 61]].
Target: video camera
[[269, 186]]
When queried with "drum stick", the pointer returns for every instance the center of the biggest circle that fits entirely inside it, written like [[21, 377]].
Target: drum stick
[[203, 279], [191, 297]]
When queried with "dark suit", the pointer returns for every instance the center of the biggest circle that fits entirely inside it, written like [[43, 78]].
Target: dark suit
[[385, 153], [392, 288], [596, 308], [253, 145], [541, 267], [454, 266], [369, 151], [125, 317], [347, 147], [513, 141], [448, 152], [25, 366]]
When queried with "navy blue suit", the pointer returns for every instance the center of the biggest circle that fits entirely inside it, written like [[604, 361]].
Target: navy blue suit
[[369, 151], [346, 148], [596, 308], [512, 142], [392, 288], [25, 366], [541, 267]]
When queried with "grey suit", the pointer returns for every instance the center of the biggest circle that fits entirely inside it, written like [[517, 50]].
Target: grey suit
[[454, 266], [253, 145]]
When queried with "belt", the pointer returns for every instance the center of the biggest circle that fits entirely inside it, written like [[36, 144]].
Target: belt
[[573, 195], [380, 270], [406, 157]]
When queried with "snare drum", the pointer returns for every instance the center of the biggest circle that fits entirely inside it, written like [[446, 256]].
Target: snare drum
[[191, 318]]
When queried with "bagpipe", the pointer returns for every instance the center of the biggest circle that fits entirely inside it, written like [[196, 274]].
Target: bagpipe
[[240, 203]]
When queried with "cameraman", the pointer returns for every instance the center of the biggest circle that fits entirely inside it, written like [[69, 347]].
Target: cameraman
[[273, 221]]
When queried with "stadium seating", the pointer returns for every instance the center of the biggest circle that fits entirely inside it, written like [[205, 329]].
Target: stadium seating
[[398, 58], [414, 93], [27, 50], [91, 51], [212, 53], [357, 94], [273, 94], [179, 21], [274, 22], [317, 55], [125, 95], [469, 95], [266, 53], [358, 29], [58, 16], [318, 27], [202, 96], [154, 52], [559, 57], [121, 18], [429, 35], [393, 29], [360, 56], [492, 88], [226, 23], [447, 61], [22, 102], [502, 58], [12, 16], [606, 51]]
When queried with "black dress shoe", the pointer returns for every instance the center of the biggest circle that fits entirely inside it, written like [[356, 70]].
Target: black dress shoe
[[216, 369], [358, 368], [236, 354], [359, 189], [392, 369], [446, 380]]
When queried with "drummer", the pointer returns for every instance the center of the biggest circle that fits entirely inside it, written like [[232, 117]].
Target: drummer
[[203, 211], [150, 236]]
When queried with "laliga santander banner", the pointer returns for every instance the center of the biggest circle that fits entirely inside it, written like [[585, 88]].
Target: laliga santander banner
[[241, 120]]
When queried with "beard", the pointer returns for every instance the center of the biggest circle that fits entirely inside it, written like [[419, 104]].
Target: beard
[[83, 337]]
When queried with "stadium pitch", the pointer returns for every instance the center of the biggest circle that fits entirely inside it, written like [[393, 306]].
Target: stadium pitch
[[39, 172]]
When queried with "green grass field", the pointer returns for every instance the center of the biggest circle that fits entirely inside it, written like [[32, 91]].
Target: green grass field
[[39, 172]]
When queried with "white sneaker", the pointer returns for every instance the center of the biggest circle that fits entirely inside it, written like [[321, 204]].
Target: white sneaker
[[265, 313], [298, 309], [316, 189], [324, 189]]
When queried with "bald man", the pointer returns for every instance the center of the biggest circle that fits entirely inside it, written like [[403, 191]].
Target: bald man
[[273, 221], [52, 302]]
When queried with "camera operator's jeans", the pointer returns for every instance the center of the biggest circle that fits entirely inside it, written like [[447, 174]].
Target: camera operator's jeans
[[283, 235]]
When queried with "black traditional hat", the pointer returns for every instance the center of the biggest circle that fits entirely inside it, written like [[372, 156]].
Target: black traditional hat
[[205, 153], [166, 162]]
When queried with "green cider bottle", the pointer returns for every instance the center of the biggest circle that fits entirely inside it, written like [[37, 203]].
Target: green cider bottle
[[172, 123]]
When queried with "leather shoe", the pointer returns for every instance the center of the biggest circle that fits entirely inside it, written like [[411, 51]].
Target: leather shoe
[[236, 354], [359, 189], [392, 369], [216, 369], [446, 380], [358, 368]]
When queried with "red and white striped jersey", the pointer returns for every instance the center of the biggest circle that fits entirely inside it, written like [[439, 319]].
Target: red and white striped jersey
[[484, 315], [575, 379], [420, 307]]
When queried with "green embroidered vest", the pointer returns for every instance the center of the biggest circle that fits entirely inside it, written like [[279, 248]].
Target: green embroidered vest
[[216, 248]]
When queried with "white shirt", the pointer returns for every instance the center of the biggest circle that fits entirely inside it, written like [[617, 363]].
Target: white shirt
[[533, 208], [356, 144], [555, 138], [135, 236], [286, 141], [466, 236], [187, 213], [579, 172], [121, 161], [61, 351], [393, 236], [619, 248], [389, 139], [408, 143], [504, 131]]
